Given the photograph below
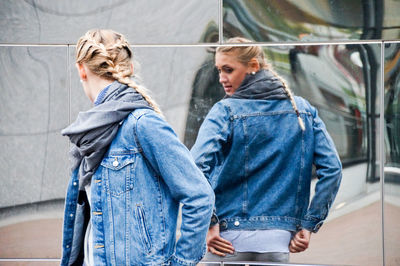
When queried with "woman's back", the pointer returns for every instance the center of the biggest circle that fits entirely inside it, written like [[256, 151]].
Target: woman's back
[[261, 159]]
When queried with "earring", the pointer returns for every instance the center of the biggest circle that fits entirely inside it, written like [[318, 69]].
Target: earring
[[81, 81], [253, 73]]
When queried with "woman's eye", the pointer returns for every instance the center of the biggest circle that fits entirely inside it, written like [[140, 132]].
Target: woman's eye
[[228, 70]]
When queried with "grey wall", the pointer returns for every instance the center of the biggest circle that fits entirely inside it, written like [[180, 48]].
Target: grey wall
[[341, 73]]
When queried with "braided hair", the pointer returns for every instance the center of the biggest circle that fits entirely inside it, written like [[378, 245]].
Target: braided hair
[[108, 54], [245, 53]]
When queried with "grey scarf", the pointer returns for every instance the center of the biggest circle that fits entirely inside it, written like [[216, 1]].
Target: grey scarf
[[93, 130], [264, 85]]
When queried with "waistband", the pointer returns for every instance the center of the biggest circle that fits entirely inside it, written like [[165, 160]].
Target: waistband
[[261, 223]]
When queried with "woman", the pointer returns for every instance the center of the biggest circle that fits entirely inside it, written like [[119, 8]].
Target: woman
[[130, 172], [257, 147]]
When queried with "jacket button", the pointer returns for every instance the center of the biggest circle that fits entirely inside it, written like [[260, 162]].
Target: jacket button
[[75, 183], [67, 246], [115, 163], [236, 223]]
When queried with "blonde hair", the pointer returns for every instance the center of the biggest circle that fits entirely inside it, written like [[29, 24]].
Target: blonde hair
[[107, 54], [244, 54]]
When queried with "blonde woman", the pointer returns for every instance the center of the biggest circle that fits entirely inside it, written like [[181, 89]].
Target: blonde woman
[[257, 147], [130, 172]]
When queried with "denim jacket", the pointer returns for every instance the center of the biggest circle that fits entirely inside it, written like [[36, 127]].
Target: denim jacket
[[135, 197], [259, 163]]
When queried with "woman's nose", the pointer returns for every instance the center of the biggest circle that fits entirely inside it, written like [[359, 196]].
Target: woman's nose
[[222, 78]]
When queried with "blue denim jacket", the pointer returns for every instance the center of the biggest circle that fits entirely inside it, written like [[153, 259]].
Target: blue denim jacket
[[135, 197], [259, 163]]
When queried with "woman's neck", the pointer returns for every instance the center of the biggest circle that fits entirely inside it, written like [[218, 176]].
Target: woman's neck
[[95, 85]]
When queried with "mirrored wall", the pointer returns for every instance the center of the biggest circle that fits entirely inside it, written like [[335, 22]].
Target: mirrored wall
[[343, 82], [311, 20], [336, 54], [143, 22]]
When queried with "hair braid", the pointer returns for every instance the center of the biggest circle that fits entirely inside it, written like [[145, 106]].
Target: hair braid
[[291, 98], [108, 54], [140, 89], [293, 102]]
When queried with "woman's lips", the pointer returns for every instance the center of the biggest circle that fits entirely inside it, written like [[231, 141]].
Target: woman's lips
[[227, 88]]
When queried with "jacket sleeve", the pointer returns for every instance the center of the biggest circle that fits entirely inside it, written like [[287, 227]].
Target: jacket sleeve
[[211, 140], [172, 160], [329, 173]]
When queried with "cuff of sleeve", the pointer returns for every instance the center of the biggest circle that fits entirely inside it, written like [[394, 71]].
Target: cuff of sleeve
[[179, 261], [214, 220], [312, 225]]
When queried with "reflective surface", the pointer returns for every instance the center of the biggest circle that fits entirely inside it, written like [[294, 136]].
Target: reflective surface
[[33, 159], [311, 20], [41, 94], [332, 77], [171, 82], [60, 22], [342, 82], [34, 108], [392, 152]]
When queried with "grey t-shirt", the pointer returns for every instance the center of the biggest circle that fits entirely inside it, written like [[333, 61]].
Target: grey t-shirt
[[260, 241]]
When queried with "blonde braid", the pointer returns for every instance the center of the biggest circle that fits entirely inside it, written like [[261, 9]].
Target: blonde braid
[[119, 76], [291, 98], [293, 102], [108, 54], [122, 76]]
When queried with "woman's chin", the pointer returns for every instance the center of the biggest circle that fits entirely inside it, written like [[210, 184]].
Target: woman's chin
[[228, 91]]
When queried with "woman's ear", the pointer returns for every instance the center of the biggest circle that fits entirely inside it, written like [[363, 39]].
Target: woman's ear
[[81, 71], [254, 65]]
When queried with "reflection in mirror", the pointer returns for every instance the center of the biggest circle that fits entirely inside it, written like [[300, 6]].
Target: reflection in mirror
[[342, 82], [392, 154], [206, 91], [179, 21], [309, 20], [33, 160]]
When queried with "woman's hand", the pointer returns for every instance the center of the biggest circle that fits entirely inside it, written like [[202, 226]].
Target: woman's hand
[[300, 241], [216, 244]]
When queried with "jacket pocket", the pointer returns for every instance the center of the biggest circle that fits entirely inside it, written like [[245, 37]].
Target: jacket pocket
[[118, 173], [143, 231]]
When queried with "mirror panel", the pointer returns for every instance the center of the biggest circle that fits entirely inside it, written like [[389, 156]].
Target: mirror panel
[[311, 20], [343, 83], [33, 158], [63, 22]]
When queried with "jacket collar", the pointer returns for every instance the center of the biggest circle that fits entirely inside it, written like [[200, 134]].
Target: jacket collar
[[264, 85], [95, 129]]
